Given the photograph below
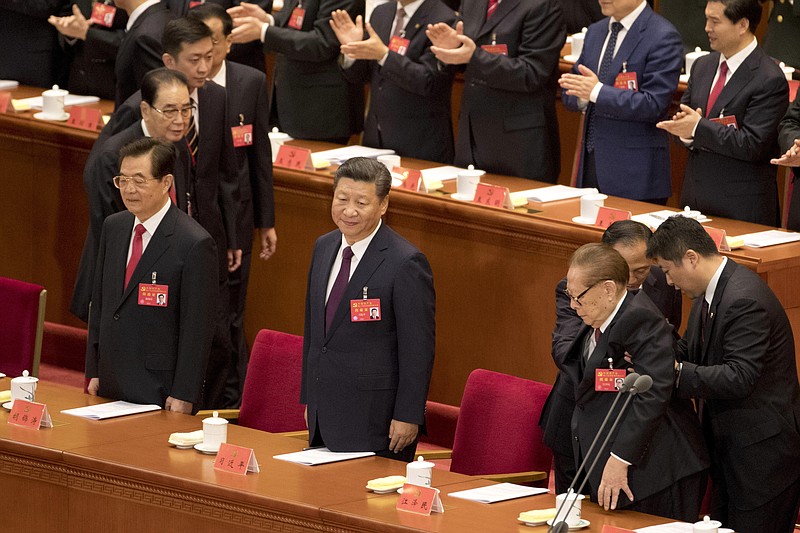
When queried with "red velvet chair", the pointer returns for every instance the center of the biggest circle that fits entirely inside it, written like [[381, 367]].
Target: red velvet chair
[[21, 326], [440, 421], [498, 434]]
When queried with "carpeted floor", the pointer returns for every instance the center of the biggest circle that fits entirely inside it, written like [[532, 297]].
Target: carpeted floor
[[63, 376]]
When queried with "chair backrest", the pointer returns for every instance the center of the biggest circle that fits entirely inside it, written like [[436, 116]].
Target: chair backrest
[[440, 422], [271, 394], [64, 346], [498, 426], [21, 326]]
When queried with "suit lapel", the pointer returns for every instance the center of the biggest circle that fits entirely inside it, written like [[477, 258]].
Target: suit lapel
[[712, 309], [319, 283], [743, 75], [286, 12], [505, 7], [119, 257], [414, 24], [383, 24], [629, 44], [474, 19], [703, 79]]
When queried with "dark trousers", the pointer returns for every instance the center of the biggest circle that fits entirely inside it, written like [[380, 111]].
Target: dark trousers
[[564, 469], [406, 455], [680, 501], [778, 515], [240, 353], [590, 178]]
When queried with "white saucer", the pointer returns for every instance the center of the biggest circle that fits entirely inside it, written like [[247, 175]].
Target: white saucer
[[582, 220], [385, 491], [182, 446], [202, 447], [582, 524], [8, 405], [571, 58], [540, 523], [462, 198], [42, 116]]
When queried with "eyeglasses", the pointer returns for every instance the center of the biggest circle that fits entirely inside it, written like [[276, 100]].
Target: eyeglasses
[[577, 299], [172, 113], [120, 182]]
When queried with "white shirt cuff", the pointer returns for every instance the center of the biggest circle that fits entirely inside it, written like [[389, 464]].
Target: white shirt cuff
[[382, 60], [264, 27], [618, 458], [595, 92], [347, 62]]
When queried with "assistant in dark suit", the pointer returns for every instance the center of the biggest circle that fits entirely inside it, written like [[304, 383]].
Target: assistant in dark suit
[[507, 123], [659, 436], [364, 381], [738, 362], [788, 134], [141, 352], [630, 155], [688, 17], [409, 93], [783, 33], [579, 14]]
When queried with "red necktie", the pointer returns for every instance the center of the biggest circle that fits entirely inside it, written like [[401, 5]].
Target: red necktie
[[492, 8], [136, 253], [597, 334], [339, 286], [715, 92], [172, 195]]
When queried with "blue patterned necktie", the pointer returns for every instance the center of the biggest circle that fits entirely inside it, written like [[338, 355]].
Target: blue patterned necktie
[[605, 66]]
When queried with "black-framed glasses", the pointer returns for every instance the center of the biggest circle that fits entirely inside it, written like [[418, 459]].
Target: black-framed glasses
[[120, 182], [172, 113], [577, 299]]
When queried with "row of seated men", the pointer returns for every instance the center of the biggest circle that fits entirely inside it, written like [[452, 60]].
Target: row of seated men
[[508, 51]]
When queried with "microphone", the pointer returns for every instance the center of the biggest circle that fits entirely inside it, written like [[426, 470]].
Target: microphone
[[627, 384]]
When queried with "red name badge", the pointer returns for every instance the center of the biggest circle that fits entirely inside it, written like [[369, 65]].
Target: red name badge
[[236, 459], [294, 158], [29, 415], [242, 135], [153, 295], [193, 5], [296, 20], [493, 196], [608, 215], [729, 121], [365, 310], [413, 178], [85, 118], [420, 500], [719, 237], [499, 49], [627, 81], [5, 100], [103, 14], [399, 45], [607, 380]]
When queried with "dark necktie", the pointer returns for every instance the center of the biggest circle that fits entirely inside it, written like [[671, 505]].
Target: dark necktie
[[717, 89], [605, 66], [339, 286], [492, 8], [703, 319], [136, 253], [193, 140], [399, 22]]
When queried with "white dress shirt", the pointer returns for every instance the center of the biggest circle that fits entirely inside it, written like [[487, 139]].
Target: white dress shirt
[[358, 248]]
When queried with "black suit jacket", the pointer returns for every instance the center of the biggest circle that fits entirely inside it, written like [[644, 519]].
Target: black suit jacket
[[32, 55], [579, 14], [728, 173], [140, 51], [359, 376], [783, 33], [659, 434], [789, 131], [409, 94], [746, 374], [508, 121], [312, 99], [247, 98], [144, 354]]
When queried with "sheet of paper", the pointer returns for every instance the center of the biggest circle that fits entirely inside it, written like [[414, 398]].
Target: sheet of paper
[[437, 174], [769, 238], [8, 85], [674, 527], [557, 192], [110, 410], [339, 155], [71, 99], [497, 493], [320, 456], [655, 218]]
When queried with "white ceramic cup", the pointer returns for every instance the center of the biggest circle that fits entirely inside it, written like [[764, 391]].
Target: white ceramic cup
[[215, 431], [577, 44], [276, 139], [591, 204], [53, 102], [706, 525], [787, 71], [467, 182], [691, 57], [389, 161], [419, 472], [574, 516], [24, 387]]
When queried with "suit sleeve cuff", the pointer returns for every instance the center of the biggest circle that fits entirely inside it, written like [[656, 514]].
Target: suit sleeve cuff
[[620, 459]]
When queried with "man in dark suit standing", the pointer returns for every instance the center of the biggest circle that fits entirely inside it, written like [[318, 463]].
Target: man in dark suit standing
[[789, 141], [138, 349], [409, 93], [629, 238], [247, 111], [688, 17], [624, 80], [655, 461], [729, 119], [783, 32], [310, 98], [365, 381], [737, 360], [579, 14], [509, 53]]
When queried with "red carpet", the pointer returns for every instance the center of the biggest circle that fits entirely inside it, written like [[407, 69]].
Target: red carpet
[[62, 376]]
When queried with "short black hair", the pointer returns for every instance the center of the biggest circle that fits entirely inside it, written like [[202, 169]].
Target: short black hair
[[209, 10], [367, 170], [163, 154], [183, 30], [736, 10], [154, 80], [626, 233], [678, 234]]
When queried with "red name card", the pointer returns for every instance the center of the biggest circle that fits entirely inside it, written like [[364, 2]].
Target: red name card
[[294, 158], [608, 215], [719, 237], [420, 500], [29, 415], [85, 118], [236, 459], [413, 178], [103, 14], [493, 196], [5, 100]]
